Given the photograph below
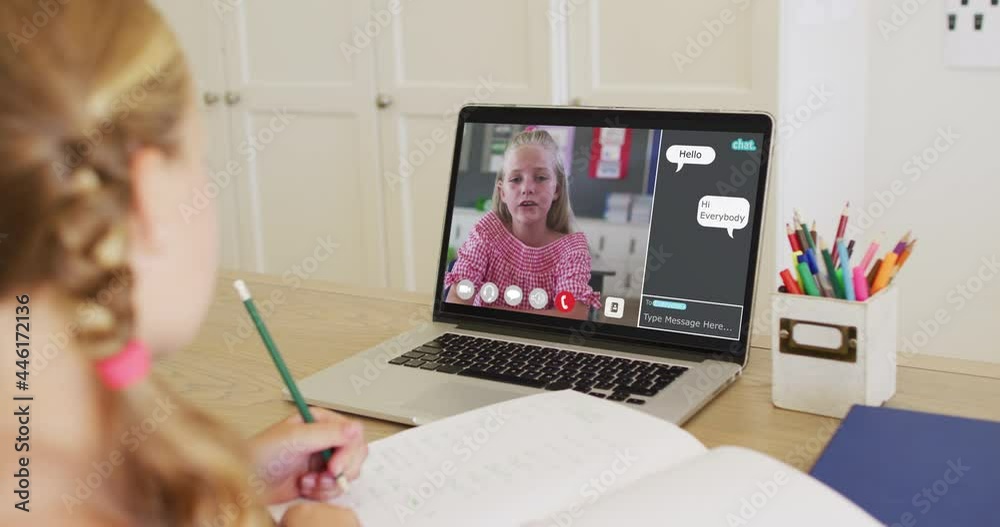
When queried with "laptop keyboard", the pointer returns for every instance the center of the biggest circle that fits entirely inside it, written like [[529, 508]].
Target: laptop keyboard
[[613, 378]]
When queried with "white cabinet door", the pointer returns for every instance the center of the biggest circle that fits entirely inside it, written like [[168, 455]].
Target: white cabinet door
[[434, 56], [304, 124], [199, 30], [698, 54]]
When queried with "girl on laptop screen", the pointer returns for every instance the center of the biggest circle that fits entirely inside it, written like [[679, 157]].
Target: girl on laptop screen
[[527, 240]]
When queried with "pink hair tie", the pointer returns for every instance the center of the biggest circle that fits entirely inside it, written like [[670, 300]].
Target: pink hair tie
[[126, 367]]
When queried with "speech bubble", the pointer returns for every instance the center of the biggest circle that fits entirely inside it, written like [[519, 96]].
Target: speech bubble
[[690, 155], [723, 212]]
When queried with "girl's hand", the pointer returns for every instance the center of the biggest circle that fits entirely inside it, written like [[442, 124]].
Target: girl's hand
[[288, 456], [312, 514]]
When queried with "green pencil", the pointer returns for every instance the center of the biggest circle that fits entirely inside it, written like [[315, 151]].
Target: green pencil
[[838, 286], [286, 376], [805, 231]]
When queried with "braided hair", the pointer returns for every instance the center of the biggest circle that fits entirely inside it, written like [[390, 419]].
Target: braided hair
[[98, 81]]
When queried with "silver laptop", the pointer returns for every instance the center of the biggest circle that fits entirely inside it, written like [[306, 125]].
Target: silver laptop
[[605, 250]]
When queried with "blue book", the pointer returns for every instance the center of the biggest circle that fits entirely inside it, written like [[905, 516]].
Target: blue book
[[914, 469]]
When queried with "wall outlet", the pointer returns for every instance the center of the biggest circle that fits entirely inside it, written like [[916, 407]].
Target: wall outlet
[[972, 33]]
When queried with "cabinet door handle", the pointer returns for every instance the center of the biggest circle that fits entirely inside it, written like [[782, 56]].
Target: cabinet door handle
[[631, 246], [628, 281], [210, 98], [383, 100], [232, 98], [600, 244]]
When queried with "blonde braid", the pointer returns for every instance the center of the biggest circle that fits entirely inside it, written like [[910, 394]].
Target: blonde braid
[[65, 211]]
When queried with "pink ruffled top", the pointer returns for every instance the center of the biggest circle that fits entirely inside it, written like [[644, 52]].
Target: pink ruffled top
[[493, 254]]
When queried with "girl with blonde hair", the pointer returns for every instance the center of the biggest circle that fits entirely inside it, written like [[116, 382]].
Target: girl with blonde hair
[[528, 239], [100, 145]]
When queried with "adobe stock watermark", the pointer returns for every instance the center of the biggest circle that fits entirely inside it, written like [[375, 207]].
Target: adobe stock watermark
[[119, 109], [428, 145], [699, 383], [129, 442], [804, 454], [656, 258], [225, 7], [704, 39], [377, 363], [928, 496], [276, 469], [259, 140], [363, 36], [902, 13], [86, 313], [957, 298], [324, 249], [596, 486], [463, 451], [790, 122], [250, 148], [763, 494], [915, 167], [580, 162], [31, 26], [202, 198], [562, 11]]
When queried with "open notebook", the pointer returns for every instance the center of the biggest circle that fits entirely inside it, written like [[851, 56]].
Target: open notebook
[[563, 458]]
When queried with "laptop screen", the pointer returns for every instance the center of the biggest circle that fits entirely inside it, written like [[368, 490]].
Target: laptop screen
[[607, 223]]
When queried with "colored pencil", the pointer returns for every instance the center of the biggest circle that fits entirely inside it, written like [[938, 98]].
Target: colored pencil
[[279, 363], [860, 285], [799, 231], [901, 245], [870, 277], [810, 241], [836, 254], [793, 240], [842, 225], [807, 279], [905, 254], [790, 284], [838, 288], [846, 266], [902, 259], [811, 261], [884, 272], [869, 254], [795, 264], [802, 238]]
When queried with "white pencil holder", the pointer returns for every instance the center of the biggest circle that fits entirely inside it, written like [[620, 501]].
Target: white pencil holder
[[828, 354]]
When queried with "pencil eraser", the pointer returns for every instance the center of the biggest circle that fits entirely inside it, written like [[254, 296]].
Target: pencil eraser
[[242, 290], [342, 483]]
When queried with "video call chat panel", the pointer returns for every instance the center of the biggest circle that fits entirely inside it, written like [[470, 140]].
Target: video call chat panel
[[636, 227]]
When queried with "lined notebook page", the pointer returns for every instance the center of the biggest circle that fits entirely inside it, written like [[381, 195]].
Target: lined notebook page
[[511, 462]]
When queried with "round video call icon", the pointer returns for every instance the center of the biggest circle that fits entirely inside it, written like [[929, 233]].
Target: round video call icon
[[489, 292], [538, 298], [565, 301], [513, 295], [465, 289]]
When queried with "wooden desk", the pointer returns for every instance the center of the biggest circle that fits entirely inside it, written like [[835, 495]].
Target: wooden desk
[[228, 371]]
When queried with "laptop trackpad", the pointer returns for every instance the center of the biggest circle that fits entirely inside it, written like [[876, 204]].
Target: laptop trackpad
[[454, 398]]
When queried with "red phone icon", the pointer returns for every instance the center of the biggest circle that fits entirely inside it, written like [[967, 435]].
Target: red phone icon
[[565, 301]]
